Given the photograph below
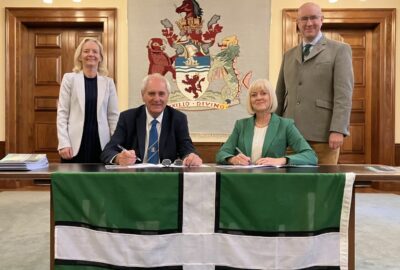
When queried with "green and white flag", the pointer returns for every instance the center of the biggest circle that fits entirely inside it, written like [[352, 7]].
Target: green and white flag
[[202, 220]]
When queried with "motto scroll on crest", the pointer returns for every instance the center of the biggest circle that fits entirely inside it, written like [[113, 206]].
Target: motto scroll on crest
[[204, 70]]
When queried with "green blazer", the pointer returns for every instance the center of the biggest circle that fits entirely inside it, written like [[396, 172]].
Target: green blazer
[[281, 133]]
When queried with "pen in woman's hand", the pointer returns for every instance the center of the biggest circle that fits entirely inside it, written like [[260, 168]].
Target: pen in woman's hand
[[240, 152], [123, 149]]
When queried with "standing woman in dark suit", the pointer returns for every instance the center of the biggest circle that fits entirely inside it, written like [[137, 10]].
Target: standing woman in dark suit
[[87, 107]]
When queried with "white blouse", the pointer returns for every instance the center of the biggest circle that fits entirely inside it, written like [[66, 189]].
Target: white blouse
[[258, 142]]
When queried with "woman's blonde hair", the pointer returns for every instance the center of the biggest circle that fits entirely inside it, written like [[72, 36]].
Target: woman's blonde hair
[[263, 84], [101, 69]]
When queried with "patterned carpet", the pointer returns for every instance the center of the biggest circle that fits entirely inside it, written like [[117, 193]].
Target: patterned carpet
[[377, 231], [25, 231]]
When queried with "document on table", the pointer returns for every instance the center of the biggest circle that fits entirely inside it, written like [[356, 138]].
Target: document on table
[[383, 168], [133, 166], [146, 165], [252, 166]]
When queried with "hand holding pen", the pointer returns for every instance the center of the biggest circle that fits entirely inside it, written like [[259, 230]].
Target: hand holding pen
[[126, 157], [240, 158]]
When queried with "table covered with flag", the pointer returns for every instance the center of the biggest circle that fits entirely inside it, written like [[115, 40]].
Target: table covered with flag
[[201, 220]]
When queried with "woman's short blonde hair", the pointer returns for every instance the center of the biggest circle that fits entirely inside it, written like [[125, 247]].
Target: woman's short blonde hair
[[102, 69], [263, 84]]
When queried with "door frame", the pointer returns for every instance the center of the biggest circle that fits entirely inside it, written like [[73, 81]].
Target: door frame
[[17, 22], [382, 22]]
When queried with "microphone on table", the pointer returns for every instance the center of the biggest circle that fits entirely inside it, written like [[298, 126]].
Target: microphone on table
[[166, 162]]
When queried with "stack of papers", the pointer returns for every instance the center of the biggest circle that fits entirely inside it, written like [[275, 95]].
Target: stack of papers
[[23, 162]]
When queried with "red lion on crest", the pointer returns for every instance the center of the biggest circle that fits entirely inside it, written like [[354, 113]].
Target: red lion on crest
[[160, 62], [194, 84]]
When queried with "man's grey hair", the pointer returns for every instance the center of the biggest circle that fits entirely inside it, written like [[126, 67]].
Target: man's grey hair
[[152, 76]]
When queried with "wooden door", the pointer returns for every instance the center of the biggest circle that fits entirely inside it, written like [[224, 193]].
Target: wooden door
[[40, 47], [357, 147], [371, 34], [48, 54]]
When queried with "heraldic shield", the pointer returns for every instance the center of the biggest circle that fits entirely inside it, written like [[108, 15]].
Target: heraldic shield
[[191, 75]]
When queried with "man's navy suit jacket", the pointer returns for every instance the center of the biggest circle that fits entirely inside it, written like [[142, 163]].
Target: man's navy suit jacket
[[130, 133]]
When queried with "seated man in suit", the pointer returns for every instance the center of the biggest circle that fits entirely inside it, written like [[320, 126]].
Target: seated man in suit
[[152, 132]]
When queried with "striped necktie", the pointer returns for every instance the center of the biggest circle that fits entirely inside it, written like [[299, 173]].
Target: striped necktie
[[152, 150]]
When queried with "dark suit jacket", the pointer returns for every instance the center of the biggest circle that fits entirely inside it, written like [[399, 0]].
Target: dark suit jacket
[[281, 133], [130, 133], [317, 93]]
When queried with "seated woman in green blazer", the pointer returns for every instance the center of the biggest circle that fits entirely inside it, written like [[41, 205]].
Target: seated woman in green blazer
[[263, 138]]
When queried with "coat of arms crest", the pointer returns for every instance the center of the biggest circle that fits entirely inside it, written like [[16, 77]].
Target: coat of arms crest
[[193, 66]]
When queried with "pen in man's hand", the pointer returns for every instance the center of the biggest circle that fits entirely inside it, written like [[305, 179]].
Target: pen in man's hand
[[123, 149]]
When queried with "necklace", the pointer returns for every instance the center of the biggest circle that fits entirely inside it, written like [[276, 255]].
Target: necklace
[[261, 125], [264, 122]]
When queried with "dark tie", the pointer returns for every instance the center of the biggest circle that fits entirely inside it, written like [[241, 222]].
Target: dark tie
[[152, 150], [306, 50]]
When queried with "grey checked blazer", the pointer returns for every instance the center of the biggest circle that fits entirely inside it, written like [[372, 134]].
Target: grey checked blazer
[[317, 94]]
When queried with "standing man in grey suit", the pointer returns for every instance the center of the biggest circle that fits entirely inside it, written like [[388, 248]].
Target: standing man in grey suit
[[315, 86]]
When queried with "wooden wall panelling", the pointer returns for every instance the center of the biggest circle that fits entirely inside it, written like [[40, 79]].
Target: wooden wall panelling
[[397, 154], [207, 150], [2, 149]]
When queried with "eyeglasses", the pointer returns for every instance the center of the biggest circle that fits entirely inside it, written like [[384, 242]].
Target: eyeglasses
[[312, 18]]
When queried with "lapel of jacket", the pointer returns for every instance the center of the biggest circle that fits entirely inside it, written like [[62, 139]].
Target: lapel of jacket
[[101, 91], [165, 128], [248, 135], [271, 133], [316, 49], [79, 86], [299, 53], [141, 130]]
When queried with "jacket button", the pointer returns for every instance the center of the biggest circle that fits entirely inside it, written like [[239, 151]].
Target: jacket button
[[298, 103], [300, 83]]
